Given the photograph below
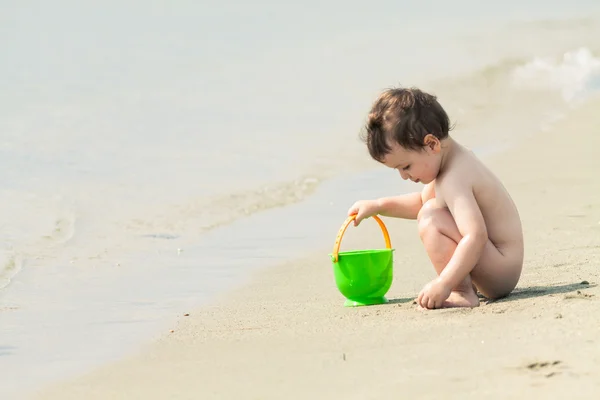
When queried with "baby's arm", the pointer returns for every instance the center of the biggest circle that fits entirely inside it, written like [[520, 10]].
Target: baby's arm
[[405, 206], [459, 197]]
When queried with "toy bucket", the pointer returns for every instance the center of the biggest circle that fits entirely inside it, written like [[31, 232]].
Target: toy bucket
[[363, 276]]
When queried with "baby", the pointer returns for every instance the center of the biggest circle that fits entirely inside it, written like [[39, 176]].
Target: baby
[[467, 221]]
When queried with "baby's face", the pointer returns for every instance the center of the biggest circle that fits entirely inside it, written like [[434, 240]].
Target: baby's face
[[418, 166]]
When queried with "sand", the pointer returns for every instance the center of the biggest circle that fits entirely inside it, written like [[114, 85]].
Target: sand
[[286, 335]]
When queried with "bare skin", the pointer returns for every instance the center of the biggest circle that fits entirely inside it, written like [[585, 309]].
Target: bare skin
[[467, 221]]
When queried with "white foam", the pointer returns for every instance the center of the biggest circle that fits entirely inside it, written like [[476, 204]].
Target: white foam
[[574, 75]]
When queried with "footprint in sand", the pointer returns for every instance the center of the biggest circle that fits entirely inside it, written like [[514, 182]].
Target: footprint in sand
[[545, 368]]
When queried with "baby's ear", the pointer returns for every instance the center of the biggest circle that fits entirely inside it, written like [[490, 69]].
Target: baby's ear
[[432, 142]]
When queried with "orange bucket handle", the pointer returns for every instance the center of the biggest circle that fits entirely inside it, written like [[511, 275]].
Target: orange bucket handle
[[338, 239]]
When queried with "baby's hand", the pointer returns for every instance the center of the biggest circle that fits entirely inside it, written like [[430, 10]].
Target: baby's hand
[[434, 294], [364, 209]]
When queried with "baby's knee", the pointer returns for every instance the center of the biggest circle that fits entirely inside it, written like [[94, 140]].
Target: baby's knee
[[430, 217], [426, 209]]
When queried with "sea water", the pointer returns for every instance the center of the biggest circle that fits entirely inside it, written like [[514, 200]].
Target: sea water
[[153, 153]]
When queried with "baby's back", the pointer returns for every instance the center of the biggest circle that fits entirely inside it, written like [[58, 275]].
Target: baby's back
[[497, 207]]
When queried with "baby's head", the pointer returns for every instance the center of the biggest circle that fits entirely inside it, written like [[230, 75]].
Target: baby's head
[[405, 130]]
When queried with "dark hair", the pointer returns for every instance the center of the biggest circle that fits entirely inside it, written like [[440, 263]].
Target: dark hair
[[405, 116]]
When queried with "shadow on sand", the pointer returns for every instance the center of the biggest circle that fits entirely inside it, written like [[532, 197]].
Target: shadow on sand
[[523, 293], [539, 291], [401, 301]]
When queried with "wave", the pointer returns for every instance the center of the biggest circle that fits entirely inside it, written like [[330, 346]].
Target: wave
[[203, 214], [36, 231], [56, 233], [575, 75], [9, 267]]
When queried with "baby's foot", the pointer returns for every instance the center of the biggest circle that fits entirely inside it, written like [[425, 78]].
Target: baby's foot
[[462, 299]]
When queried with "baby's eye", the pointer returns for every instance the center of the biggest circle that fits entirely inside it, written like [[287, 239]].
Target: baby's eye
[[406, 168]]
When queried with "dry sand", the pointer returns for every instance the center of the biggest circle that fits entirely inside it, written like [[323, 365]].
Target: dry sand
[[287, 336]]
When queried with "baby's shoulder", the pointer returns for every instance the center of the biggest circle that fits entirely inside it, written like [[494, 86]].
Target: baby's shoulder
[[467, 163], [462, 170], [462, 175], [468, 173]]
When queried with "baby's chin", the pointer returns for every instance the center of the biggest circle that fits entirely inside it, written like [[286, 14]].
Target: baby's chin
[[428, 179]]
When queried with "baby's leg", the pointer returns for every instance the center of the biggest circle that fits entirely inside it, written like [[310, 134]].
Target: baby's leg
[[436, 228], [495, 275]]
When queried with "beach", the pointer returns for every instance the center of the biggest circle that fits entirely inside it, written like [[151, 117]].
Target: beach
[[174, 178], [286, 333]]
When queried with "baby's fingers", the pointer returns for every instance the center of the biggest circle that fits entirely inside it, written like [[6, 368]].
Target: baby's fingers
[[355, 209], [431, 304], [420, 299], [359, 217]]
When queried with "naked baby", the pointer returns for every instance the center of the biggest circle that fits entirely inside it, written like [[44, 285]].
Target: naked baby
[[467, 221]]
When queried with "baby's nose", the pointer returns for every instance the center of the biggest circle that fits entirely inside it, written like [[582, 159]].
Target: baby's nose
[[404, 175]]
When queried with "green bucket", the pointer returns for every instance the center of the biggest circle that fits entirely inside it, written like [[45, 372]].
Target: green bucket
[[363, 277]]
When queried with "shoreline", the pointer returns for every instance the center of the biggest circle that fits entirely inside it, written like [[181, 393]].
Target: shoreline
[[288, 321]]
